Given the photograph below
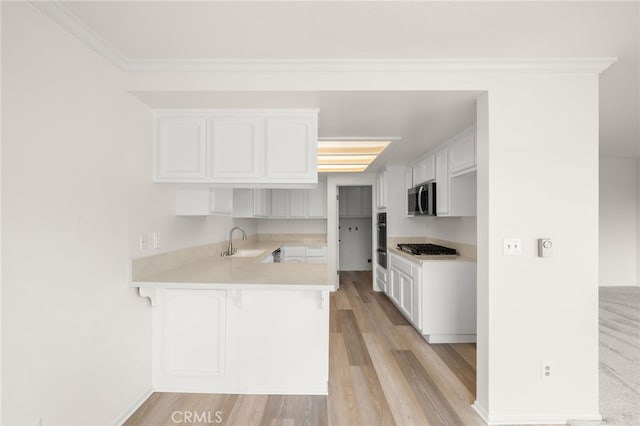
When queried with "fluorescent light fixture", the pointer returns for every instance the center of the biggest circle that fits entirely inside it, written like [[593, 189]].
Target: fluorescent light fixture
[[348, 155], [342, 168]]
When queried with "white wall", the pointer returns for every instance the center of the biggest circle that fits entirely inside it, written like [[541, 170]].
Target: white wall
[[76, 193], [638, 219], [291, 226], [398, 223], [355, 244], [458, 229], [618, 222]]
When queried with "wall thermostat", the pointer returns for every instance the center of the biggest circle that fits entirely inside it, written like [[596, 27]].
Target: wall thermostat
[[545, 247]]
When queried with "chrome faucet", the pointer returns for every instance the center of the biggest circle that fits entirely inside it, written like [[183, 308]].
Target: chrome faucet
[[230, 249]]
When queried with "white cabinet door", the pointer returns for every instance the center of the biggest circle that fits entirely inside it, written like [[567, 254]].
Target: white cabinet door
[[194, 333], [204, 201], [354, 201], [366, 201], [317, 201], [424, 170], [462, 152], [406, 294], [394, 285], [235, 148], [381, 190], [261, 199], [297, 207], [181, 148], [442, 183], [279, 203], [291, 148]]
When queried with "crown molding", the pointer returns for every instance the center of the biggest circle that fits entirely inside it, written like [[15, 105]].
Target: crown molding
[[65, 18]]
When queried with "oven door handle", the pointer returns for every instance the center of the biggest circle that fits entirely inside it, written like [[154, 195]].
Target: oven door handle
[[420, 199]]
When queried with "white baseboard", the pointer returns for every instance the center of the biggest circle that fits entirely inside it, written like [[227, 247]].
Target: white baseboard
[[482, 412], [450, 338], [133, 408], [540, 420]]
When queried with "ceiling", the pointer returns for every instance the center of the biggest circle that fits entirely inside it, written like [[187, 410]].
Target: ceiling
[[191, 31]]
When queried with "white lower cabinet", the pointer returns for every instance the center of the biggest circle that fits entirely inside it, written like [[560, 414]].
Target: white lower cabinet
[[438, 297], [241, 341], [304, 254], [382, 282]]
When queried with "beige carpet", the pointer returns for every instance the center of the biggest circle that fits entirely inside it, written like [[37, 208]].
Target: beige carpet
[[620, 355]]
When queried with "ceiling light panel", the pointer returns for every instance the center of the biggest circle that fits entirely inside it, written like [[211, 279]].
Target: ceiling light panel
[[348, 155], [346, 159]]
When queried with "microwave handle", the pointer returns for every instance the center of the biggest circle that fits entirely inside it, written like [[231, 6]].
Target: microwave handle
[[420, 199]]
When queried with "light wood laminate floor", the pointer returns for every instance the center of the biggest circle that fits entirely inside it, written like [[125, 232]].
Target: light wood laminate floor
[[381, 372]]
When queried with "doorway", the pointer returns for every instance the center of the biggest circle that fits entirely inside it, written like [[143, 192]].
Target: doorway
[[354, 228]]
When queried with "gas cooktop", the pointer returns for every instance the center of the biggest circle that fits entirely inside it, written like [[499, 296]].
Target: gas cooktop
[[426, 249]]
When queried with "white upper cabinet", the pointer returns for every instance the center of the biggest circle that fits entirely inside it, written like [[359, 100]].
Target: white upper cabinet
[[181, 148], [236, 148], [291, 146], [424, 170], [381, 190], [279, 203], [246, 147], [355, 201], [317, 201], [251, 202], [442, 183], [297, 204], [204, 201], [462, 152]]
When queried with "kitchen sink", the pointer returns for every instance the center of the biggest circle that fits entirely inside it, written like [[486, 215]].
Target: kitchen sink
[[248, 253]]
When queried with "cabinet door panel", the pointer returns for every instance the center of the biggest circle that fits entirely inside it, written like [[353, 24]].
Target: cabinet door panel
[[442, 183], [317, 201], [354, 201], [462, 152], [279, 203], [181, 148], [297, 208], [236, 147], [194, 333], [291, 147], [406, 295]]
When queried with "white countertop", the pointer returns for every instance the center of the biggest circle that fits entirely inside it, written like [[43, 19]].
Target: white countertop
[[244, 272]]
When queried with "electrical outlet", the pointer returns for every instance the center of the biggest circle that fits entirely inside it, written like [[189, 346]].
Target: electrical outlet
[[511, 247], [546, 370], [144, 242], [156, 240]]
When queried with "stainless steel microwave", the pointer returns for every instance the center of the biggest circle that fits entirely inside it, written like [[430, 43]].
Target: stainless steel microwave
[[421, 200]]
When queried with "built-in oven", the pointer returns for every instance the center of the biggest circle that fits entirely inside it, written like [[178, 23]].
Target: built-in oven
[[421, 200], [382, 240]]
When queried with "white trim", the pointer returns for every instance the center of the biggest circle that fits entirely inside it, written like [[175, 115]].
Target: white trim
[[482, 412], [65, 18], [524, 419], [123, 418]]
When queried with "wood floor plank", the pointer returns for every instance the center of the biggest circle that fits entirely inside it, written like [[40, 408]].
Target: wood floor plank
[[433, 403], [365, 324], [466, 351], [356, 350], [456, 363], [373, 406], [342, 300], [364, 290], [402, 402], [342, 403], [247, 411], [392, 313]]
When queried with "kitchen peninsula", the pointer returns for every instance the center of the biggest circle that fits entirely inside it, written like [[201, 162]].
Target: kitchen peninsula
[[237, 324]]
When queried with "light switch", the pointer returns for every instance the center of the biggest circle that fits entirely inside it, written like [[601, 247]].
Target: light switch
[[545, 247], [511, 247]]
